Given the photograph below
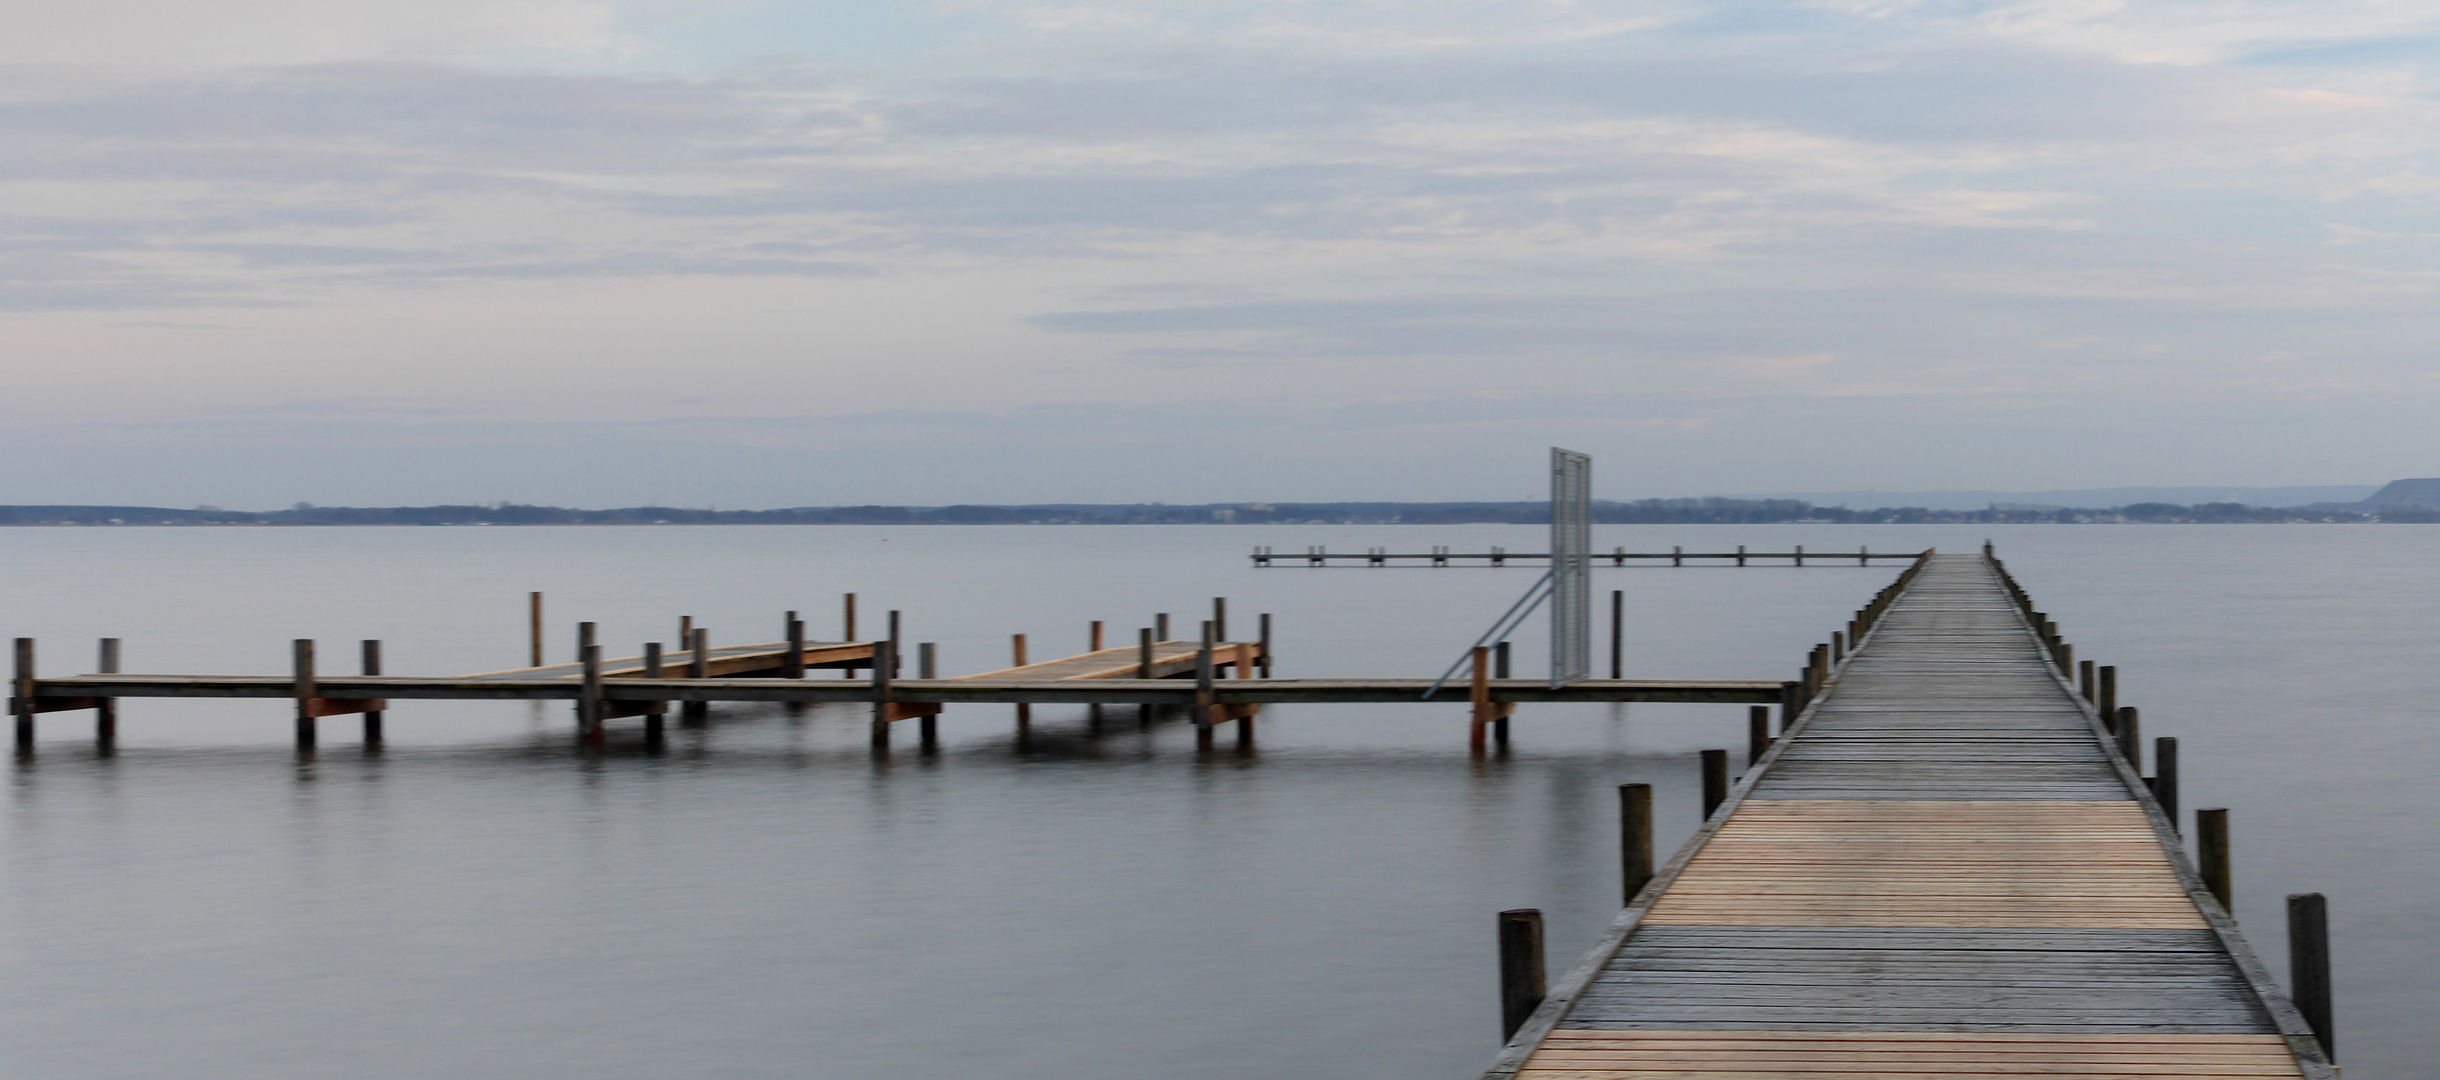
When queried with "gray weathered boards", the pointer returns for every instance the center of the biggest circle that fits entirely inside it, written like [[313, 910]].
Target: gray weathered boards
[[1945, 869]]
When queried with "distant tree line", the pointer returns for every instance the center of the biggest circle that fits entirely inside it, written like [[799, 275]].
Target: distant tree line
[[1712, 511]]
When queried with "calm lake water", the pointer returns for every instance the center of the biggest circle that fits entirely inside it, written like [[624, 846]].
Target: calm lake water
[[765, 899]]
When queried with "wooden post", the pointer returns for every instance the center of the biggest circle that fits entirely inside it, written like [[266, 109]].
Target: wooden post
[[1025, 712], [1219, 618], [1479, 695], [1677, 555], [1838, 647], [1740, 554], [1791, 702], [795, 664], [2067, 658], [589, 710], [849, 617], [2309, 965], [533, 620], [653, 713], [106, 710], [1635, 837], [1265, 659], [1095, 643], [2106, 690], [1757, 732], [881, 695], [1715, 781], [2164, 776], [2130, 737], [1618, 627], [1143, 653], [372, 667], [1523, 982], [2211, 855], [1499, 719], [897, 646], [699, 666], [584, 639], [301, 658], [21, 697], [1160, 627], [2085, 683], [1203, 689], [927, 666], [1800, 554]]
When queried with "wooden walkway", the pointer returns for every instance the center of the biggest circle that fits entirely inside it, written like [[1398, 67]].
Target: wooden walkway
[[1944, 869]]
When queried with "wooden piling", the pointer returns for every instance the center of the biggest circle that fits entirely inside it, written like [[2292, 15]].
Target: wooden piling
[[1025, 712], [881, 695], [2164, 776], [21, 696], [1757, 732], [795, 663], [533, 620], [589, 719], [1160, 627], [927, 666], [1499, 720], [1220, 618], [1740, 554], [1791, 702], [2085, 684], [2067, 658], [848, 617], [106, 710], [302, 687], [1093, 643], [2130, 737], [1634, 838], [1478, 694], [1265, 658], [897, 645], [699, 666], [371, 657], [2309, 965], [1143, 653], [2211, 855], [1203, 689], [2106, 692], [1800, 554], [1677, 557], [1838, 647], [1618, 635], [1715, 781], [1523, 979], [654, 731]]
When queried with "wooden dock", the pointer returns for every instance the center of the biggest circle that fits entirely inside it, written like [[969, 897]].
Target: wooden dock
[[1947, 867]]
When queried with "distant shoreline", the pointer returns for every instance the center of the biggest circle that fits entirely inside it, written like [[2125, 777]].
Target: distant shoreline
[[1707, 511]]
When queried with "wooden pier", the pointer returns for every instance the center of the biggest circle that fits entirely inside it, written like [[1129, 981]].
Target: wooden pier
[[1497, 557], [1949, 866]]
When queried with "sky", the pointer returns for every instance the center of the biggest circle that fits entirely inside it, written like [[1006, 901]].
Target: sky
[[745, 254]]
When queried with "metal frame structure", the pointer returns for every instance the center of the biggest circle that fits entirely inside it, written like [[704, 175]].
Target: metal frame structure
[[1571, 566]]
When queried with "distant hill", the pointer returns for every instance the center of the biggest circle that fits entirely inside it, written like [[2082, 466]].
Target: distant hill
[[2405, 493]]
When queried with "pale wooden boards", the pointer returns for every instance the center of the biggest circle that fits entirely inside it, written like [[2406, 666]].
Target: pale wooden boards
[[1863, 862], [1168, 658], [1820, 978], [1577, 1054]]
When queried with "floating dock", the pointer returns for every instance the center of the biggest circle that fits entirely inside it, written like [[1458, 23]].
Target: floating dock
[[1949, 866]]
